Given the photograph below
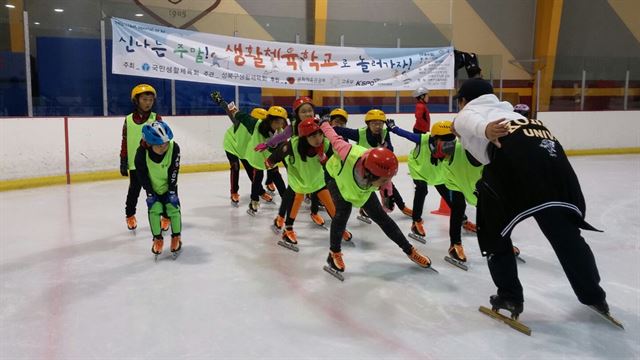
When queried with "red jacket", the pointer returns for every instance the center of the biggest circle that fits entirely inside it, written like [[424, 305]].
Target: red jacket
[[423, 119]]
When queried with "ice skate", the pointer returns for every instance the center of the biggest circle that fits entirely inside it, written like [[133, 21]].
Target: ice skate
[[602, 309], [289, 240], [266, 197], [469, 226], [176, 246], [335, 265], [515, 308], [235, 199], [278, 224], [164, 223], [318, 220], [132, 223], [271, 189], [156, 248], [253, 208], [407, 211], [457, 257], [516, 252], [420, 259], [362, 216], [347, 236], [417, 231]]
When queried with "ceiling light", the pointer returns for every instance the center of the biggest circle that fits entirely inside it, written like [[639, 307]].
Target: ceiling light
[[139, 15], [36, 23], [58, 10], [10, 6]]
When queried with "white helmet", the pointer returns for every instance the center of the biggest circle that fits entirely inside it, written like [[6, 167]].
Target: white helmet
[[420, 91]]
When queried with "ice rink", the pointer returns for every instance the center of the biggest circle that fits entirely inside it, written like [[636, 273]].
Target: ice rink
[[76, 284]]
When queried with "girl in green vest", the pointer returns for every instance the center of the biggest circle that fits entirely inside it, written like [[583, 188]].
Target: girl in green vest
[[304, 154], [253, 132], [143, 97], [158, 164], [357, 173], [436, 160], [370, 136], [236, 155]]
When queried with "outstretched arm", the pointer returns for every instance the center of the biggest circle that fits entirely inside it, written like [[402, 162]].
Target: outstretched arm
[[339, 145], [347, 133], [391, 125]]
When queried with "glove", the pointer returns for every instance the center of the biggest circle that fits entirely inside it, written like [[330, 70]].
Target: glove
[[324, 119], [151, 199], [261, 147], [269, 164], [217, 97], [233, 109], [124, 166], [173, 199], [321, 155], [391, 124]]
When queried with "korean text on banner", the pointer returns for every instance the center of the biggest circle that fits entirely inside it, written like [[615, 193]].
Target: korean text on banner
[[155, 51]]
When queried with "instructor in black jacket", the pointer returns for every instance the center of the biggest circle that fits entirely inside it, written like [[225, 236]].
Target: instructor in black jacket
[[526, 174]]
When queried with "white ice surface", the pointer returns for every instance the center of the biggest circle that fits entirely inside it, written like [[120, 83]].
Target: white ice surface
[[75, 284]]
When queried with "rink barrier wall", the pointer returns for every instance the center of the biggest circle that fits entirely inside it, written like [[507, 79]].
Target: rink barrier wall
[[62, 150]]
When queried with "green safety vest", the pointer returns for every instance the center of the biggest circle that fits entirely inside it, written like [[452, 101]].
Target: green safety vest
[[134, 135], [460, 175], [159, 172], [255, 158], [230, 142], [362, 137], [243, 141], [420, 166], [304, 177], [343, 173]]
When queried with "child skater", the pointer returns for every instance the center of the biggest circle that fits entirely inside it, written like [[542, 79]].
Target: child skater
[[158, 164], [304, 154], [357, 173], [143, 97]]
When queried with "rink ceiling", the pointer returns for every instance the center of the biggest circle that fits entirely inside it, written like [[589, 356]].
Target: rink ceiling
[[76, 284]]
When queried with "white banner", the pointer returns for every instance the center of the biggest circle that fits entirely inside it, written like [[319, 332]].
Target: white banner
[[161, 52]]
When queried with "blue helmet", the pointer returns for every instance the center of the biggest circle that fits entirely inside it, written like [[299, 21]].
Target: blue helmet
[[157, 133]]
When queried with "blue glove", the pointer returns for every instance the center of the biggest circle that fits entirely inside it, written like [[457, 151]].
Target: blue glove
[[151, 199], [173, 199]]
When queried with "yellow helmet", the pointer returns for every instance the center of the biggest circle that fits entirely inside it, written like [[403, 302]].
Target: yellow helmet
[[375, 115], [142, 88], [259, 113], [339, 112], [278, 111], [441, 128]]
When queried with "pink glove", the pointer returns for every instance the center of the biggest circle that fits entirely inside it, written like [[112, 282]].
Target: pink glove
[[261, 147]]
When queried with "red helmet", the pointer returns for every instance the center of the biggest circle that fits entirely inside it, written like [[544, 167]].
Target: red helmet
[[381, 162], [307, 127], [301, 100]]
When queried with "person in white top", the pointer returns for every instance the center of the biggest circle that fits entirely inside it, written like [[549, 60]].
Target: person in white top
[[526, 174]]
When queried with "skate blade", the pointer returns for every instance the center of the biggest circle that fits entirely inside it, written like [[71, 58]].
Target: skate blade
[[175, 254], [276, 230], [133, 231], [252, 213], [608, 317], [456, 263], [235, 204], [288, 245], [364, 219], [520, 259], [334, 273], [514, 324], [323, 226], [348, 242], [417, 238], [272, 193], [155, 257]]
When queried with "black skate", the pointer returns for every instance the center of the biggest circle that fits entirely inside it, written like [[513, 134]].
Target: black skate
[[602, 309], [514, 308], [331, 266], [253, 208], [362, 216]]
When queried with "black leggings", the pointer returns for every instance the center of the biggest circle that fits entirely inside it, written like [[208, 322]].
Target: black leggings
[[375, 212], [559, 226], [132, 194], [454, 199], [256, 182], [234, 171]]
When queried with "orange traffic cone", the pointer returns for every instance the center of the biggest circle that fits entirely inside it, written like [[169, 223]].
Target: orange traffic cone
[[443, 209]]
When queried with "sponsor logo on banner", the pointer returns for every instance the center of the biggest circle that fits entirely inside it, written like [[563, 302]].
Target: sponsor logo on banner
[[177, 13]]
